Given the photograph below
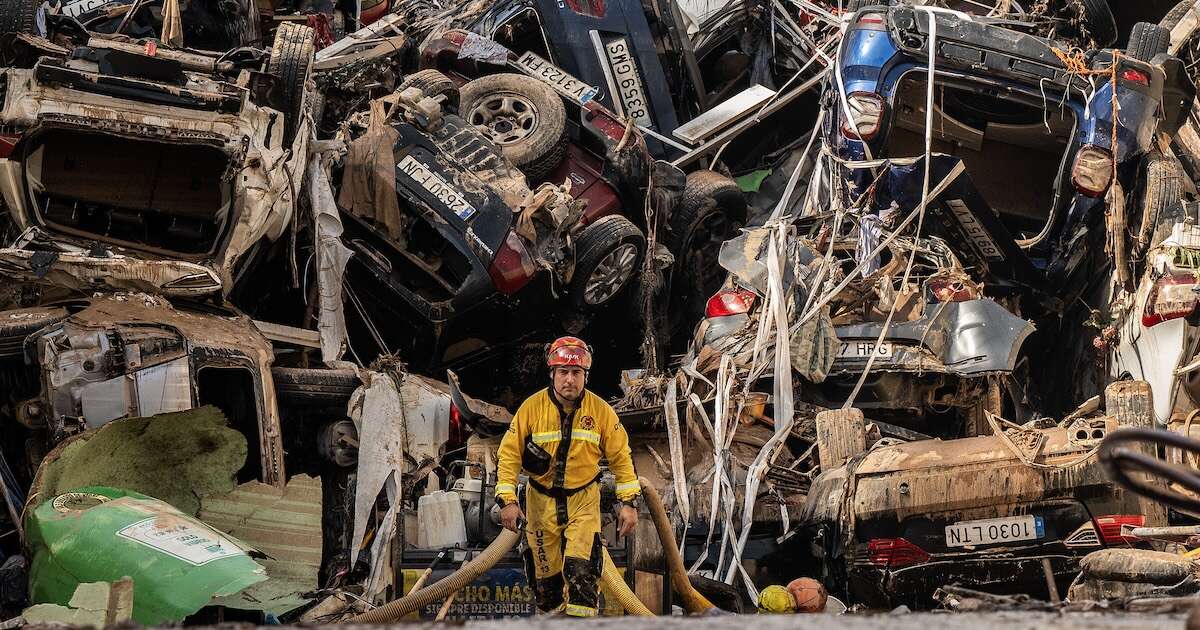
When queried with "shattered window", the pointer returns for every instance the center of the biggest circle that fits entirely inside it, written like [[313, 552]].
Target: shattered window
[[523, 33]]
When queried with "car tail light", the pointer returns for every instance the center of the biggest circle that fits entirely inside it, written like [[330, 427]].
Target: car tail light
[[8, 142], [870, 18], [1093, 171], [729, 302], [895, 553], [952, 290], [1110, 528], [866, 112], [455, 436], [1172, 296], [513, 267], [1134, 75]]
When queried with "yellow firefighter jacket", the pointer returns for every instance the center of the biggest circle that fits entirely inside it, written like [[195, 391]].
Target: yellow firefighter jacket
[[594, 432]]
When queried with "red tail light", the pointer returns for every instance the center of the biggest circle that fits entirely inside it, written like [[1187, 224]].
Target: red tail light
[[729, 302], [1093, 171], [455, 436], [8, 142], [1109, 528], [1135, 76], [952, 290], [895, 553], [1172, 296], [866, 113], [512, 268], [870, 18]]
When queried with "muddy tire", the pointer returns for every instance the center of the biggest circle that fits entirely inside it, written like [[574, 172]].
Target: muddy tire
[[841, 434], [433, 84], [1131, 403], [1164, 189], [314, 385], [17, 325], [710, 212], [291, 64], [608, 255], [18, 16], [1147, 40], [523, 116], [1098, 21]]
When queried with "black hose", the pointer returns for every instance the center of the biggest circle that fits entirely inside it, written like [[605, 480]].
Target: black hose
[[1121, 458]]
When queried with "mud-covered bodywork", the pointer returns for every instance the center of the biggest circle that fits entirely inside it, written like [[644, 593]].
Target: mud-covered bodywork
[[130, 355], [887, 522], [156, 157]]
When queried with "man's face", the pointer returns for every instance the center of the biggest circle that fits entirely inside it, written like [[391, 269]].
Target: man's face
[[569, 382]]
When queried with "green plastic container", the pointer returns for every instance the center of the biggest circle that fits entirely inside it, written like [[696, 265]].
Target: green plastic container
[[97, 534]]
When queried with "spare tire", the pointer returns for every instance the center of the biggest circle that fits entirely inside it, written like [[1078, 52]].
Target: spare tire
[[1140, 566], [608, 254], [291, 64], [18, 16], [1147, 40], [523, 116], [433, 84], [314, 385]]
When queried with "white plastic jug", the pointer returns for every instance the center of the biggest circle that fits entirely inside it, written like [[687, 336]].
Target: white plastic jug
[[440, 521]]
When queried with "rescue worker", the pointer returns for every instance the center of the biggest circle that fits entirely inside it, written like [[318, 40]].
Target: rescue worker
[[558, 437]]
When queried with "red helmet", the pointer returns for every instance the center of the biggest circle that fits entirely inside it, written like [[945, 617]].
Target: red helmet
[[569, 351]]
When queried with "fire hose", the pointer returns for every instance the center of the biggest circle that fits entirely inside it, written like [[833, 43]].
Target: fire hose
[[1121, 458], [610, 577]]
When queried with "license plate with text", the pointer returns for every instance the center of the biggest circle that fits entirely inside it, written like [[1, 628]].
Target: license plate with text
[[994, 530]]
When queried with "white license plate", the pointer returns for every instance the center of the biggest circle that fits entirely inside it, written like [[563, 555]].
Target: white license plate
[[556, 77], [994, 530], [628, 83], [436, 186], [864, 350]]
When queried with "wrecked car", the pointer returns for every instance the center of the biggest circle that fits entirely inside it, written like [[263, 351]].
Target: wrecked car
[[1002, 513], [118, 152]]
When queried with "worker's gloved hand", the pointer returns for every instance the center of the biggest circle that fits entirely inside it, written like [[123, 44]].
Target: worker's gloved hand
[[627, 520], [510, 515]]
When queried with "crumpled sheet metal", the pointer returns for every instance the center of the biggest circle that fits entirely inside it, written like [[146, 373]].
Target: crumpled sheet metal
[[479, 48], [401, 423], [268, 181], [547, 216], [331, 259], [174, 278]]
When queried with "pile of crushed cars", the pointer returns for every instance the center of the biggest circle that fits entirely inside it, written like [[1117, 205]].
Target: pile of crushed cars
[[868, 282]]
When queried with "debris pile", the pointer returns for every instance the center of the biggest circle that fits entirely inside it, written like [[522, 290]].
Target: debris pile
[[870, 285]]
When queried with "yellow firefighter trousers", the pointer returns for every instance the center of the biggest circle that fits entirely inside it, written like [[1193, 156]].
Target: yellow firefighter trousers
[[564, 541]]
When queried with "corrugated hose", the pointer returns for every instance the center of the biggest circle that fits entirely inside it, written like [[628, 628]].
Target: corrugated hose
[[692, 600]]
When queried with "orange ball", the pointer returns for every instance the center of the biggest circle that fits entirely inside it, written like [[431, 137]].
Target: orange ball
[[810, 595]]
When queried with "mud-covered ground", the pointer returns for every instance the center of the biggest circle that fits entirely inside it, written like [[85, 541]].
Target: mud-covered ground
[[888, 621]]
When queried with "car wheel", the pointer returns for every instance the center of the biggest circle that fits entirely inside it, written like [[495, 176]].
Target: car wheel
[[1147, 40], [1189, 52], [841, 434], [1097, 20], [1164, 189], [608, 254], [314, 385], [710, 212], [523, 116], [16, 325], [433, 84], [291, 63], [18, 16]]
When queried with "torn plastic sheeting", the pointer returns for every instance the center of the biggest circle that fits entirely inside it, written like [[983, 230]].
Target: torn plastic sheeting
[[179, 458], [547, 216], [744, 257], [368, 187], [479, 48], [331, 259], [98, 534], [402, 420], [284, 524]]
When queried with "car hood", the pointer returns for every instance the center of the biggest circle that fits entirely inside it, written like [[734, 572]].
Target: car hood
[[172, 278]]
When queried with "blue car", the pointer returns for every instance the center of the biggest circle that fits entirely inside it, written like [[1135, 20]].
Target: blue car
[[1031, 120]]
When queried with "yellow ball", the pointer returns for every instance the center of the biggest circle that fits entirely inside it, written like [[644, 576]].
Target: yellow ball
[[776, 599]]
